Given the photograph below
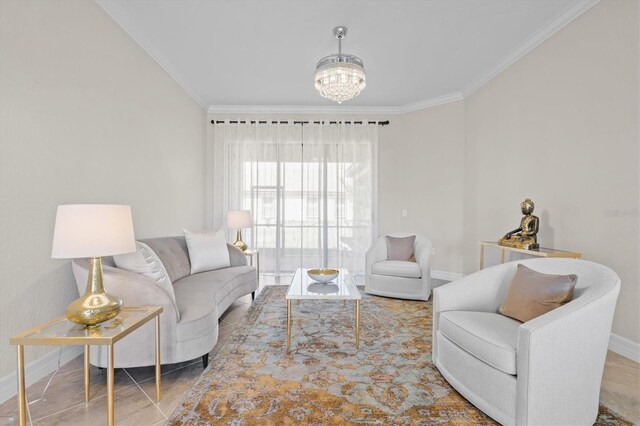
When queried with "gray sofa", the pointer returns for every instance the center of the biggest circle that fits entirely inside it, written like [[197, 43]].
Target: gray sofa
[[189, 322]]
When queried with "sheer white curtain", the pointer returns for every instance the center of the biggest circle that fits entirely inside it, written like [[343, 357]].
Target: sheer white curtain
[[312, 191]]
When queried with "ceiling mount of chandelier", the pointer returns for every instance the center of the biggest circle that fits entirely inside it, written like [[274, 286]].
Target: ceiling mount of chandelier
[[341, 76]]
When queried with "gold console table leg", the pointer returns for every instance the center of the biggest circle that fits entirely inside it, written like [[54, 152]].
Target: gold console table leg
[[481, 257], [357, 324], [158, 358], [22, 399], [288, 324], [87, 373], [110, 390]]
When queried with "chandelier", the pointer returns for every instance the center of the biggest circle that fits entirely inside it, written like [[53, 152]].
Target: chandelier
[[340, 77]]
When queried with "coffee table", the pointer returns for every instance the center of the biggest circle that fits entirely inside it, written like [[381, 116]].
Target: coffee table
[[343, 288]]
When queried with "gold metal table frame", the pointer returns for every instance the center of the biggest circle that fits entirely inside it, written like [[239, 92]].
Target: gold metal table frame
[[63, 332], [539, 252], [299, 290]]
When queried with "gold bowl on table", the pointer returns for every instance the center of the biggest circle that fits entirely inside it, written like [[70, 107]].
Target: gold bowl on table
[[323, 275]]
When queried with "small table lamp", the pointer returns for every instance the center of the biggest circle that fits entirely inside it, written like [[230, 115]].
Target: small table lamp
[[93, 230], [239, 219]]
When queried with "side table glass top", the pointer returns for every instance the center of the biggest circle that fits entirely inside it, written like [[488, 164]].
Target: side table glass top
[[304, 287], [540, 251], [62, 331]]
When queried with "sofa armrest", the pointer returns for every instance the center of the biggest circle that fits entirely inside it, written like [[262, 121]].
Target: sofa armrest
[[481, 291], [236, 256], [559, 352]]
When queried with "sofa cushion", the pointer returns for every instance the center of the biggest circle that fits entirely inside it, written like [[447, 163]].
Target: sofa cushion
[[490, 337], [144, 261], [198, 294], [207, 250], [173, 253], [397, 268]]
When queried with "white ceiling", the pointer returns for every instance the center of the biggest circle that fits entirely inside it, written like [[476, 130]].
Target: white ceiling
[[263, 53]]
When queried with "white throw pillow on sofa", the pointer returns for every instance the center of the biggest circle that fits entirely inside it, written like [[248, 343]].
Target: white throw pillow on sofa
[[146, 262], [207, 250]]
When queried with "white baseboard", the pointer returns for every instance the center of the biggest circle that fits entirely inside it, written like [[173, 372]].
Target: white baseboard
[[444, 275], [625, 347], [36, 370]]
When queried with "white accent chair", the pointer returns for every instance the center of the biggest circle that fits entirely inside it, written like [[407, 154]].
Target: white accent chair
[[393, 278], [546, 371]]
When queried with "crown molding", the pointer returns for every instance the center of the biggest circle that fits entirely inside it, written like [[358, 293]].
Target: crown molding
[[430, 103], [529, 44], [116, 13], [279, 109]]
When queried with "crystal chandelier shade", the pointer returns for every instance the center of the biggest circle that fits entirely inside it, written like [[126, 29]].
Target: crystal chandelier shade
[[340, 77]]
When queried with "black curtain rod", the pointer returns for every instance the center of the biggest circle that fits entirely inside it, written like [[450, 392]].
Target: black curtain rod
[[380, 123]]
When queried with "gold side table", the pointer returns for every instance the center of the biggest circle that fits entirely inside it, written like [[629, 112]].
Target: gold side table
[[250, 255], [539, 252], [61, 332]]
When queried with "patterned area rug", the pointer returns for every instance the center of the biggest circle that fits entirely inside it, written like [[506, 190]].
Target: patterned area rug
[[324, 379]]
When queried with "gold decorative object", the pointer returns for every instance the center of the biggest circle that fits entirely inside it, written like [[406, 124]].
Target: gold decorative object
[[525, 236], [93, 230], [323, 275], [96, 305], [239, 219], [238, 242]]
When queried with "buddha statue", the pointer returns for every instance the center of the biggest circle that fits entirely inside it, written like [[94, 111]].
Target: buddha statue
[[523, 237]]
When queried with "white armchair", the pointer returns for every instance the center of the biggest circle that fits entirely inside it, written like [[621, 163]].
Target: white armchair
[[393, 278], [546, 371]]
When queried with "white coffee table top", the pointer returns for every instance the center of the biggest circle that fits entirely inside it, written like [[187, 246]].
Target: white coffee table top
[[342, 288]]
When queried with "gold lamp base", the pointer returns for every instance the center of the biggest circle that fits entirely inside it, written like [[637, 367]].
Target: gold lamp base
[[239, 243], [96, 305]]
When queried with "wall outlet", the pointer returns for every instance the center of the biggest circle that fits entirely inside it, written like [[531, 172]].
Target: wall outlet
[[433, 251], [404, 212]]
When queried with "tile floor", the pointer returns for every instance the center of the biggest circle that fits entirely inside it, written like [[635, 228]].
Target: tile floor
[[135, 388]]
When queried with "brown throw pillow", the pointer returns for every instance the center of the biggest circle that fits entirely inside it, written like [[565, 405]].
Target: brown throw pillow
[[531, 293], [400, 248]]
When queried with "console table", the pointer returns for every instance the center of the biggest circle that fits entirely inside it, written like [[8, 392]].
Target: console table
[[539, 252], [61, 331]]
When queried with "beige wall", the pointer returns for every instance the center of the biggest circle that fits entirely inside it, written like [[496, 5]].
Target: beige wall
[[419, 167], [561, 126], [86, 117], [421, 170]]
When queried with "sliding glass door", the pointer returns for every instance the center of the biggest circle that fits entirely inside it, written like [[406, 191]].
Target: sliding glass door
[[311, 190]]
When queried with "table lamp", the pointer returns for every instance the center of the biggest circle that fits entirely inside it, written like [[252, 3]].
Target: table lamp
[[239, 219], [93, 230]]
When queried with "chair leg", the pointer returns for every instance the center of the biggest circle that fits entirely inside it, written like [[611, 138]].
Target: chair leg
[[205, 360], [253, 295]]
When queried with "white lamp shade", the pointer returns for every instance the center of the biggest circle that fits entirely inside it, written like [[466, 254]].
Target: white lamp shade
[[239, 219], [92, 230]]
